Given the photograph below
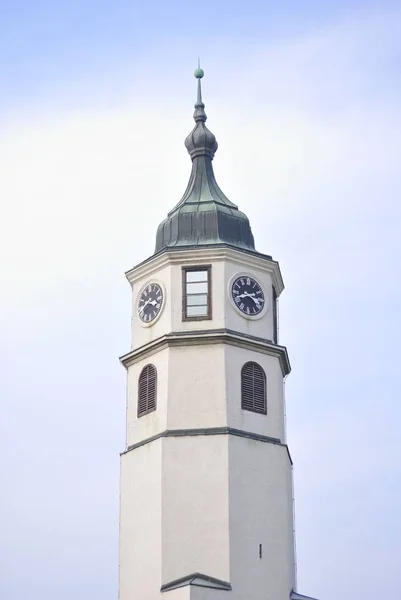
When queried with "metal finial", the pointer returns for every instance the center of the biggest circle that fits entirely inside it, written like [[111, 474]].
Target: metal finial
[[199, 106], [199, 73]]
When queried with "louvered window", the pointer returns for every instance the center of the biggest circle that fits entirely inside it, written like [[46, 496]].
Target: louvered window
[[147, 390], [253, 388]]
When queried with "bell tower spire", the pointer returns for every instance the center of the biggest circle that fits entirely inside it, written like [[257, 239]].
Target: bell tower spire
[[199, 114], [206, 502], [204, 216]]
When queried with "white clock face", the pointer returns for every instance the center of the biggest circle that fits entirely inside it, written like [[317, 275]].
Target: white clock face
[[150, 302], [248, 296]]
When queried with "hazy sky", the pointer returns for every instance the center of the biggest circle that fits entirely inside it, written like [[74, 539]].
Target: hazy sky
[[304, 98]]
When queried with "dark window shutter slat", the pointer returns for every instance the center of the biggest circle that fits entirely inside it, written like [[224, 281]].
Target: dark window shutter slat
[[147, 387], [253, 388]]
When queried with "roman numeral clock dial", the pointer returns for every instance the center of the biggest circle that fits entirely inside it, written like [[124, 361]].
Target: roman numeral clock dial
[[248, 296], [150, 303]]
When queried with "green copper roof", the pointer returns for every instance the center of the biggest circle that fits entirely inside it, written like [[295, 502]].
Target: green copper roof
[[204, 215]]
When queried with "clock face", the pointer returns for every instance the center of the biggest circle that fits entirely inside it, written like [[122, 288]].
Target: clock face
[[248, 296], [150, 302]]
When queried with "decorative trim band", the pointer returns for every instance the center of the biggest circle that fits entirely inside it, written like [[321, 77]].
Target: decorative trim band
[[214, 253], [210, 336], [198, 580], [258, 437]]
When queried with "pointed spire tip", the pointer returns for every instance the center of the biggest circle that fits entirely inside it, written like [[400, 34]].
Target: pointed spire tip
[[199, 73]]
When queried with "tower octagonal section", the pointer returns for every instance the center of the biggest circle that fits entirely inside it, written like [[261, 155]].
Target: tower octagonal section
[[199, 359], [242, 292]]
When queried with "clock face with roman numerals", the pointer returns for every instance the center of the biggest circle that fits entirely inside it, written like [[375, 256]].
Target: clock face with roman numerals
[[248, 296], [150, 302]]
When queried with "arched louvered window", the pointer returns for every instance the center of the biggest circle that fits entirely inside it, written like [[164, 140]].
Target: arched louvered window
[[147, 390], [253, 388]]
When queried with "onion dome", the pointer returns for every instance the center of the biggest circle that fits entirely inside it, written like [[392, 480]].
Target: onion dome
[[204, 215]]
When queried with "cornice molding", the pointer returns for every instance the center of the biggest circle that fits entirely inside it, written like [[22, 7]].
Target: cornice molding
[[211, 336], [213, 253], [258, 437], [198, 580]]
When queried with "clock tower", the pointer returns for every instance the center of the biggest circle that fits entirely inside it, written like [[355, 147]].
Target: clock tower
[[206, 500]]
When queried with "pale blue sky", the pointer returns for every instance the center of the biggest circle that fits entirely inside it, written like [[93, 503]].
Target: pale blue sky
[[95, 102]]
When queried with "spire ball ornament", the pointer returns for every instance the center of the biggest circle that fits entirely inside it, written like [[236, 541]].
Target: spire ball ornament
[[199, 73]]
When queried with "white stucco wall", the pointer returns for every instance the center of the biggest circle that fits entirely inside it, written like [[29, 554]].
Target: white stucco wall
[[271, 424], [260, 513], [183, 593], [204, 504], [147, 426], [140, 523], [195, 497], [196, 387], [190, 592], [199, 593]]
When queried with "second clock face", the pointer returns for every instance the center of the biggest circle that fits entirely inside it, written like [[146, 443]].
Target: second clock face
[[150, 302], [248, 296]]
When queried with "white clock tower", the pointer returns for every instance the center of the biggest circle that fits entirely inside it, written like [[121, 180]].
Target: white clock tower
[[206, 508]]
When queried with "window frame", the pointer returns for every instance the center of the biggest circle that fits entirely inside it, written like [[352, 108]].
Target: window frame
[[189, 269], [148, 410], [275, 315], [253, 409]]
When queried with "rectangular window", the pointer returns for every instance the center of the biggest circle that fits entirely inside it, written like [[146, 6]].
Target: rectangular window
[[275, 318], [196, 283]]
